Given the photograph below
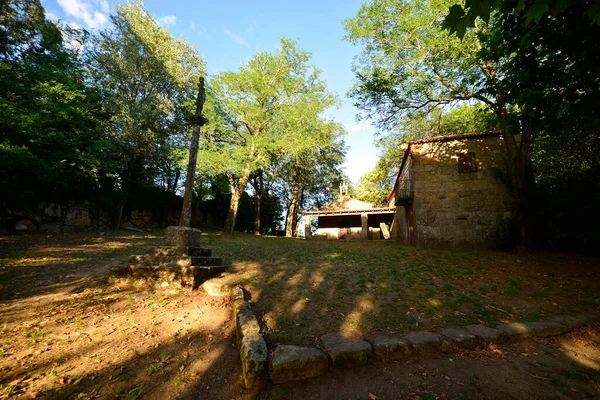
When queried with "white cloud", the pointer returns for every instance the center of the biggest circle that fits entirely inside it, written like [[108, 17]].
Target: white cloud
[[168, 20], [250, 30], [84, 10], [238, 39], [103, 5], [192, 26]]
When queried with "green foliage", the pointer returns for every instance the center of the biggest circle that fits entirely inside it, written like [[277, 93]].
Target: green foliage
[[408, 64], [374, 186], [147, 79], [45, 105], [269, 110], [461, 17]]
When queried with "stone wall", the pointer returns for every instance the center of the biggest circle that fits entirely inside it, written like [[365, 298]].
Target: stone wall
[[452, 208]]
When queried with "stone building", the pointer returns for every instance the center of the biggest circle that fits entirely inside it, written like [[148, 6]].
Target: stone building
[[449, 191], [350, 219]]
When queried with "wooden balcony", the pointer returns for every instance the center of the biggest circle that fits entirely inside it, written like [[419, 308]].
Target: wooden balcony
[[404, 191]]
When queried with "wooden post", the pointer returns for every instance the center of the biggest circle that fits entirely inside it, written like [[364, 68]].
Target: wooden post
[[364, 221]]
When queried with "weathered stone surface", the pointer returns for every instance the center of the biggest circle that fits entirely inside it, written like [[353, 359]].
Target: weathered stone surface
[[293, 363], [425, 343], [183, 251], [181, 261], [572, 322], [524, 330], [345, 352], [217, 289], [253, 353], [77, 216], [387, 348], [182, 236], [460, 338], [487, 334], [246, 320]]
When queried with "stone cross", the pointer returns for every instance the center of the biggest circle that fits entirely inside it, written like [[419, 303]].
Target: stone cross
[[197, 120]]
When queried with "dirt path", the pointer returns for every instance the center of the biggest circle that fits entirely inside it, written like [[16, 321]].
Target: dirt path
[[562, 368], [66, 334]]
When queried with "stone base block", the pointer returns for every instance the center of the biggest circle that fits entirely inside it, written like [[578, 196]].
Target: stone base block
[[460, 338], [486, 334], [391, 348], [170, 251], [346, 352], [427, 344], [182, 236], [518, 331], [253, 352], [293, 363]]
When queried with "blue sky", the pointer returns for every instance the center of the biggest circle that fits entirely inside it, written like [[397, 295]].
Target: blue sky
[[228, 33]]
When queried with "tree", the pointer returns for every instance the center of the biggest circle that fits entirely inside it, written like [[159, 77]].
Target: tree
[[410, 64], [50, 146], [311, 172], [462, 17], [260, 111], [146, 77]]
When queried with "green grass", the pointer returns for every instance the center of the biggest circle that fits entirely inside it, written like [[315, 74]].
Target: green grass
[[366, 288]]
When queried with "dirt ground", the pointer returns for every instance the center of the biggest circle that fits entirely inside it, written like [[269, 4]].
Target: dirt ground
[[66, 333]]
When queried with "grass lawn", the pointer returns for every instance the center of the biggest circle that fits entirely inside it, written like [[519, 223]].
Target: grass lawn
[[65, 332], [307, 288]]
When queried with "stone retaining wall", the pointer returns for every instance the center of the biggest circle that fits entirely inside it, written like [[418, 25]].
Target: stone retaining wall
[[288, 363]]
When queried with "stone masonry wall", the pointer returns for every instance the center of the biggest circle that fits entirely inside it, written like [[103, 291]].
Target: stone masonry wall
[[458, 209]]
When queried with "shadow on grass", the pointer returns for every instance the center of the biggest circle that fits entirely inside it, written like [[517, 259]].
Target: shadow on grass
[[301, 288], [304, 289], [56, 262]]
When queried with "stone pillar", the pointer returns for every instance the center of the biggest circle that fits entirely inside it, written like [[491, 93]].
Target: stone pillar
[[182, 236], [364, 222], [307, 227]]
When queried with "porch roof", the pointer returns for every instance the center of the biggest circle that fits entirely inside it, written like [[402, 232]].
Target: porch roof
[[374, 210]]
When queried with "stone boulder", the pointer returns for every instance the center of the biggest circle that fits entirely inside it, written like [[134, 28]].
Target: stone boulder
[[346, 352], [293, 363]]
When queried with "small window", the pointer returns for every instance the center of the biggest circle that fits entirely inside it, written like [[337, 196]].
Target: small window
[[466, 163]]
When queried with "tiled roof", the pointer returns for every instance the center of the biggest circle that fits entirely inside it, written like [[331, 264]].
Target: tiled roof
[[455, 137]]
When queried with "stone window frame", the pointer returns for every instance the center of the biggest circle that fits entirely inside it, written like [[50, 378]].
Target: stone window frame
[[467, 162]]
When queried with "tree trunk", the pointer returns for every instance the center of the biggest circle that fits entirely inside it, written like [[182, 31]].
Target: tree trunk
[[236, 195], [521, 174], [297, 215], [197, 120], [258, 185], [123, 196], [289, 231]]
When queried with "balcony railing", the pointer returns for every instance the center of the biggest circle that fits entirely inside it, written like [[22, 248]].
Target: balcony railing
[[404, 190]]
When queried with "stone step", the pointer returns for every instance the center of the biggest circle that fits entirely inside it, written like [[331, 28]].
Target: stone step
[[178, 251], [181, 261], [183, 276]]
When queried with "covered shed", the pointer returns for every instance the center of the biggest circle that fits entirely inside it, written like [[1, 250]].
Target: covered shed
[[350, 219]]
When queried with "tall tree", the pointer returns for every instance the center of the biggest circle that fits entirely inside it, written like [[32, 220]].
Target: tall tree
[[312, 174], [410, 64], [260, 111], [146, 77], [50, 146]]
